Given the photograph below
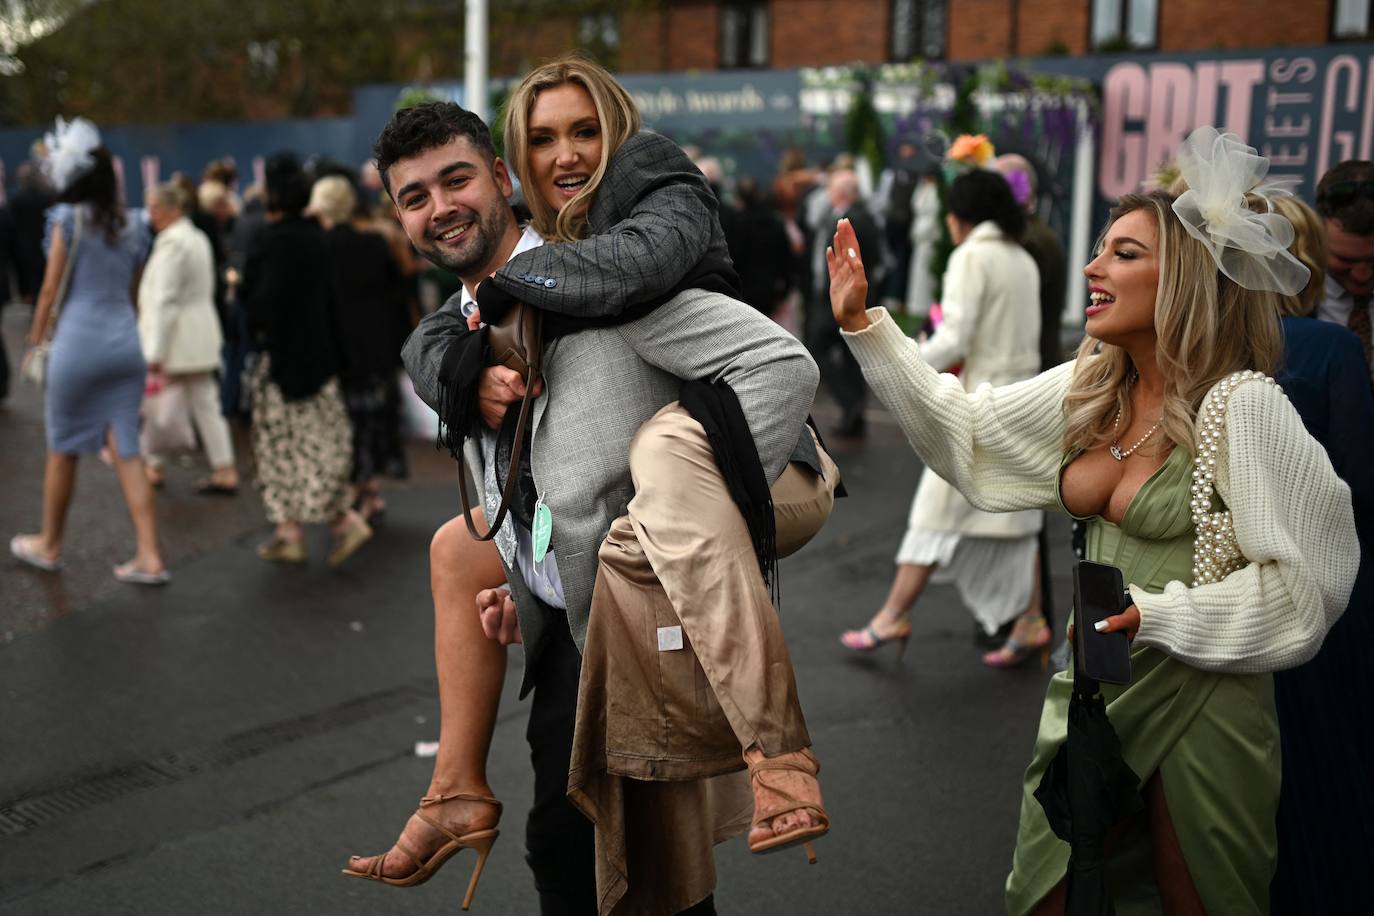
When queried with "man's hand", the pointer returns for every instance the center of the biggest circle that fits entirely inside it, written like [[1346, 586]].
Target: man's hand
[[497, 389], [475, 320], [497, 611]]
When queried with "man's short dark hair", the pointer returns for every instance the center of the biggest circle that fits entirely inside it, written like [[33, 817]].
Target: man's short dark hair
[[1346, 195], [412, 131], [288, 188]]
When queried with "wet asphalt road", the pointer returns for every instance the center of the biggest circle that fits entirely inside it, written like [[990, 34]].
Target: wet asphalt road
[[222, 745]]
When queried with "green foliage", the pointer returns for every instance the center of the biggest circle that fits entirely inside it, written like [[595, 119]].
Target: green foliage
[[863, 128], [1121, 44], [963, 119], [155, 60], [415, 95]]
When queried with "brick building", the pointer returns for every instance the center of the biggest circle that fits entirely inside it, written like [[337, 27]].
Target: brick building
[[675, 35]]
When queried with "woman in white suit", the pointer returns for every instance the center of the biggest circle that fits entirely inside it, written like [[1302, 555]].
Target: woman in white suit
[[990, 333], [180, 332]]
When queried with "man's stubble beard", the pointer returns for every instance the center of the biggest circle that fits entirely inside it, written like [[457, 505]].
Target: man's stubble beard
[[487, 231]]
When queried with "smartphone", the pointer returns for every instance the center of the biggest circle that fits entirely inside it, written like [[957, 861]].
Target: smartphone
[[1098, 593]]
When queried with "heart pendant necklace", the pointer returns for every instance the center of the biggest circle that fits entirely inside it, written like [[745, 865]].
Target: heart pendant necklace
[[1116, 451]]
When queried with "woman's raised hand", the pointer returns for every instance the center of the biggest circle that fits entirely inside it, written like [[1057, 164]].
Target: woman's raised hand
[[848, 282]]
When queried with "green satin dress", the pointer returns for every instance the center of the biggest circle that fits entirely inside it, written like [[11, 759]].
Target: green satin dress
[[1213, 738]]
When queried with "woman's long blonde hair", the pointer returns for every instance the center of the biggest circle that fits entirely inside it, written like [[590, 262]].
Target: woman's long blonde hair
[[1309, 247], [1207, 327], [619, 122]]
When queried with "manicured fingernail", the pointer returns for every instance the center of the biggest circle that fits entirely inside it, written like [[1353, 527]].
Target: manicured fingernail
[[853, 253], [1101, 626]]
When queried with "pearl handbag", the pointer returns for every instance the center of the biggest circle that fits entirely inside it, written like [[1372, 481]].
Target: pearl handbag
[[1216, 553]]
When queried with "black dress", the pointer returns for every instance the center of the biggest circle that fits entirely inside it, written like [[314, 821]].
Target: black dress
[[370, 304]]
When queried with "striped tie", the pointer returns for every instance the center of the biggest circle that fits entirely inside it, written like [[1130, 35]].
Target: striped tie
[[1359, 323]]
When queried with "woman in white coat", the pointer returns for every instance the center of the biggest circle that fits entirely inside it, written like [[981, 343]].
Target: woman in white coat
[[990, 334], [180, 332]]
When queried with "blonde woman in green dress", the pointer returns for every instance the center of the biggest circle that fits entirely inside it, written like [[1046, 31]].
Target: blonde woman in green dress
[[1198, 480]]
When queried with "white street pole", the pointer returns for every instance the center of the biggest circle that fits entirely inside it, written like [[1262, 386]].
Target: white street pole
[[1080, 219], [475, 58]]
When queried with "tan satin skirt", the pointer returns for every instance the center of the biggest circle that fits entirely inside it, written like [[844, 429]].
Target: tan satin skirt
[[656, 761]]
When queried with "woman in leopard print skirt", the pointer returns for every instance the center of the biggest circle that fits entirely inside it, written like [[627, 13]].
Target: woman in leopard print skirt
[[301, 436]]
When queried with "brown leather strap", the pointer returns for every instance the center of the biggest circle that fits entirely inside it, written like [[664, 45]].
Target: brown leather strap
[[521, 425]]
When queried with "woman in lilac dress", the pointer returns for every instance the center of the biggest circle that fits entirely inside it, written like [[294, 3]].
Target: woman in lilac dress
[[95, 372]]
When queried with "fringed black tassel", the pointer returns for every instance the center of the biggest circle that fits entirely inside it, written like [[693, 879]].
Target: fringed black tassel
[[457, 392], [718, 410]]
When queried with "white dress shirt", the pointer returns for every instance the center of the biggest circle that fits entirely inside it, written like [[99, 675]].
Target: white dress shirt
[[542, 578], [1338, 303]]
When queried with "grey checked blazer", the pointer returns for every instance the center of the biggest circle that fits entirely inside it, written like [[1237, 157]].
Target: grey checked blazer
[[600, 385]]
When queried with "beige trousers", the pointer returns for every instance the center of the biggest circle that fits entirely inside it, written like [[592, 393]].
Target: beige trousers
[[676, 720]]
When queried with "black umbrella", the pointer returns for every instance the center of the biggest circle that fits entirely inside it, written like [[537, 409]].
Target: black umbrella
[[1087, 789]]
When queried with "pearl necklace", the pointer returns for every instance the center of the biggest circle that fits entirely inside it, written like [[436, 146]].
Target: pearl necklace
[[1116, 451]]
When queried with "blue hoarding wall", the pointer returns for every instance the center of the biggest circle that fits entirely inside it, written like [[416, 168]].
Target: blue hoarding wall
[[188, 147], [707, 104], [748, 99], [1304, 108]]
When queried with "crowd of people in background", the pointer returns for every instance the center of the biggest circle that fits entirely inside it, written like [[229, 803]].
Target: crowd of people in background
[[278, 309], [281, 309]]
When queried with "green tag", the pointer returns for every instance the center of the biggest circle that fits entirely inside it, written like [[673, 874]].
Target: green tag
[[542, 530]]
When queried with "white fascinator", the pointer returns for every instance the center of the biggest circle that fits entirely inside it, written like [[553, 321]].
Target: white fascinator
[[1251, 248], [71, 151]]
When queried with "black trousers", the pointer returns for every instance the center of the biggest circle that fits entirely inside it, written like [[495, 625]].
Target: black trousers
[[4, 359], [840, 371], [559, 843]]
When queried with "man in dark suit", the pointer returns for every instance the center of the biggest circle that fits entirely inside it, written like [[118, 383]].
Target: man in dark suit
[[1345, 200], [839, 370], [758, 247]]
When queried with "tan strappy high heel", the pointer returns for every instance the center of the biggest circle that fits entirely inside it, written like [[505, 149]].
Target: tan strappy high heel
[[480, 840], [781, 785]]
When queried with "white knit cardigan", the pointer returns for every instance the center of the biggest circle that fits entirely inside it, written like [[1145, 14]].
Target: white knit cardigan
[[1002, 447]]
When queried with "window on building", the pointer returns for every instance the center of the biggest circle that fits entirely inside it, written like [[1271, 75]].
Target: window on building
[[1120, 25], [743, 35], [599, 35], [1350, 19], [918, 29]]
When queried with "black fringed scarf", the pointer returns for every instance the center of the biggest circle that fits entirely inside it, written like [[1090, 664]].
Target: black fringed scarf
[[459, 418], [717, 409]]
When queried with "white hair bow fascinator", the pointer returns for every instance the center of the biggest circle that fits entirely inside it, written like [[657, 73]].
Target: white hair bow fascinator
[[1251, 248], [71, 151]]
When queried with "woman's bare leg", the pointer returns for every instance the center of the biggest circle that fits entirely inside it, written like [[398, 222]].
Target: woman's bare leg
[[471, 668], [1053, 903], [890, 621], [59, 482], [1176, 889], [907, 586], [471, 671], [138, 494]]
